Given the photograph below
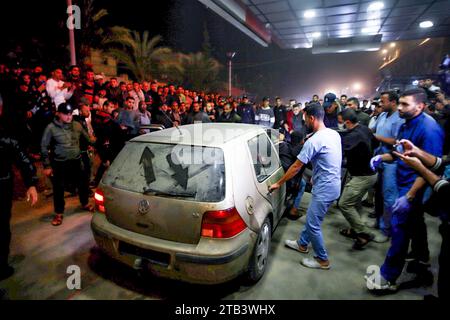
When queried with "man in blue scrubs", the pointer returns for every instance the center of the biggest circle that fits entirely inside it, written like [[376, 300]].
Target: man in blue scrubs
[[386, 132], [408, 224], [324, 150]]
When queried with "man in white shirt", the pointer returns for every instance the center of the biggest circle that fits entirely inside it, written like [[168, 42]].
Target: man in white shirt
[[58, 90]]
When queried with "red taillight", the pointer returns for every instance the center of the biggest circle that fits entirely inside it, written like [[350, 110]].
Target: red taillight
[[99, 200], [222, 224]]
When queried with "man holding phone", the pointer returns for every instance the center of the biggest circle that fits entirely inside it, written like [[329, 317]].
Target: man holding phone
[[408, 224]]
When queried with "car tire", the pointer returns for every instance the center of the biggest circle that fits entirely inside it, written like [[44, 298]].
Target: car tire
[[259, 259]]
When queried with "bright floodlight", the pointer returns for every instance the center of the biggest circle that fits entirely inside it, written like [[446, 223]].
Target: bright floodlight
[[309, 14], [385, 51], [357, 86], [316, 35], [426, 24], [393, 45], [375, 6], [415, 83], [370, 30]]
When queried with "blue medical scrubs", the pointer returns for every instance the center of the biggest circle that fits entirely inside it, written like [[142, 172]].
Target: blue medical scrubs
[[426, 134]]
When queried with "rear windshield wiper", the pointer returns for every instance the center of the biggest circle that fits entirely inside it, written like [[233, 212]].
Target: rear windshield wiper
[[169, 194]]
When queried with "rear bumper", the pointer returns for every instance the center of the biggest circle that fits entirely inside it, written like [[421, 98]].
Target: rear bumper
[[211, 261]]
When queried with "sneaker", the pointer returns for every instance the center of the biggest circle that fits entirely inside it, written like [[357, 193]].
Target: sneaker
[[57, 220], [382, 285], [373, 223], [380, 238], [362, 240], [6, 272], [315, 264], [293, 244], [410, 257], [294, 214]]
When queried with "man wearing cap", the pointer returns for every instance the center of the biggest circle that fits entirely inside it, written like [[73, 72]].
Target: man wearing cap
[[331, 111], [264, 115], [246, 112], [62, 137]]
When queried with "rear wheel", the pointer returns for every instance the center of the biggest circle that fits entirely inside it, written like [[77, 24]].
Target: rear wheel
[[259, 259]]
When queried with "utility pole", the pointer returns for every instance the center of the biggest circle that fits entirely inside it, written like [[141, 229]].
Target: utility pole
[[71, 27], [230, 56]]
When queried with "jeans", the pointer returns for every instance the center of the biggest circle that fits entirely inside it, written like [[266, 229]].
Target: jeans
[[406, 227], [301, 191], [6, 194], [390, 194], [351, 197], [312, 232]]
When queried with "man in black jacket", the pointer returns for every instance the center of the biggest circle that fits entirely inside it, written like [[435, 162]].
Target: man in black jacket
[[11, 152], [156, 99], [85, 119], [358, 145], [280, 112], [110, 138]]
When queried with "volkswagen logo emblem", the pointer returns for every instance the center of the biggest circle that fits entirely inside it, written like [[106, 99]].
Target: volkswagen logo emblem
[[144, 207]]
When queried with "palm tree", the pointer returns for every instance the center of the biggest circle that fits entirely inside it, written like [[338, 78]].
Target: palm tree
[[201, 72], [93, 31], [140, 54]]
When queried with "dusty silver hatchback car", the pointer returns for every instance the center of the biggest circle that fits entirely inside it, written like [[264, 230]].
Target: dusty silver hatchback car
[[192, 203]]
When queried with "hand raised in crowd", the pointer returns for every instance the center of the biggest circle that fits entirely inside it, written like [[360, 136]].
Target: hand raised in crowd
[[411, 161], [32, 195], [440, 96], [410, 149]]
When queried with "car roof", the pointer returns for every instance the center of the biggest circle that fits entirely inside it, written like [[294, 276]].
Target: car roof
[[203, 134]]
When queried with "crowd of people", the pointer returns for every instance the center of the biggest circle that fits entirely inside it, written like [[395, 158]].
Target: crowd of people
[[392, 148]]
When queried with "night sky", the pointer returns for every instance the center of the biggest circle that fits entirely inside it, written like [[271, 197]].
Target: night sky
[[288, 73]]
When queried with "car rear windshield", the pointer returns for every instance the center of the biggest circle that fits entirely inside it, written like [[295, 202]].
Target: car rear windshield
[[188, 172]]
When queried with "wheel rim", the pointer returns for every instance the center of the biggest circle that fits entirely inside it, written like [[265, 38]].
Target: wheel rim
[[262, 248]]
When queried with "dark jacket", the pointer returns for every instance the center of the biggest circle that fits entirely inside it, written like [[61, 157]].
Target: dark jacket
[[63, 140], [280, 116], [197, 117], [247, 113], [156, 102], [358, 145], [11, 152], [229, 118], [110, 138], [84, 145], [363, 118], [330, 120]]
